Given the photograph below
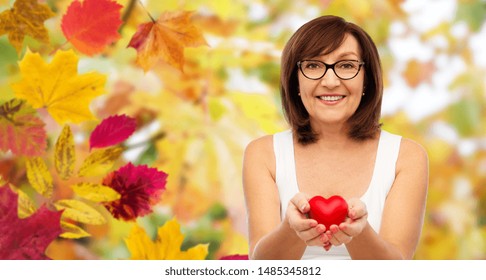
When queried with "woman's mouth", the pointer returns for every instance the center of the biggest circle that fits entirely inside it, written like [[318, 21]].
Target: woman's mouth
[[331, 98]]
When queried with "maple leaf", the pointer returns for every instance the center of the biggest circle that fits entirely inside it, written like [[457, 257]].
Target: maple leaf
[[112, 131], [27, 238], [20, 130], [140, 188], [58, 87], [25, 18], [167, 246], [165, 39], [92, 24]]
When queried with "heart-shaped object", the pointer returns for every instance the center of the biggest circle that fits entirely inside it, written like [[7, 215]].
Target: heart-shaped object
[[331, 211]]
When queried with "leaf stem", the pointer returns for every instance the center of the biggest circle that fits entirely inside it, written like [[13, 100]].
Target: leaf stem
[[141, 4]]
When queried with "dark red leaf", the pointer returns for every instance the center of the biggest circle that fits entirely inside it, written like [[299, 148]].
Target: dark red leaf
[[234, 257], [140, 188], [25, 239], [112, 131]]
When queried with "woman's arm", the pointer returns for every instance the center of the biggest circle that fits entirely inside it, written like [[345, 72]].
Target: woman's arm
[[402, 215], [270, 236]]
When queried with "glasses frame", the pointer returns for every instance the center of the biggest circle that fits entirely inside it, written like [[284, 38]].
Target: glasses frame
[[330, 66]]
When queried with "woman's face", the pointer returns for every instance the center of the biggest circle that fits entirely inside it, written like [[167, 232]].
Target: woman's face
[[330, 100]]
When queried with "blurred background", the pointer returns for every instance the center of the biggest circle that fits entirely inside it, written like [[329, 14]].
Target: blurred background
[[195, 124]]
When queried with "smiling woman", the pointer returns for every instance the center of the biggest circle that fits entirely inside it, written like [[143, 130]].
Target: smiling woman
[[335, 147]]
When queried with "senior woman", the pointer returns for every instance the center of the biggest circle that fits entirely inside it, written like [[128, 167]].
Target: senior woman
[[331, 90]]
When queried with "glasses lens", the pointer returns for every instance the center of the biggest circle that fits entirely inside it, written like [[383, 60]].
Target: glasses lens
[[346, 69], [313, 69]]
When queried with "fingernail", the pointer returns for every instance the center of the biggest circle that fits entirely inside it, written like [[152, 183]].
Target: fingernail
[[302, 208]]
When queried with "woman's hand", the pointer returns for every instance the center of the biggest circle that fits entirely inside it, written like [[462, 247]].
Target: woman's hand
[[351, 227], [308, 230]]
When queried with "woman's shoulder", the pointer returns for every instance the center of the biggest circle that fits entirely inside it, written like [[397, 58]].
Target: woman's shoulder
[[412, 148], [260, 148], [412, 154], [259, 143], [259, 154], [265, 143], [408, 146]]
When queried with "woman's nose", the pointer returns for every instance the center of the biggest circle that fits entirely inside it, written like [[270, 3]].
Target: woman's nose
[[330, 79]]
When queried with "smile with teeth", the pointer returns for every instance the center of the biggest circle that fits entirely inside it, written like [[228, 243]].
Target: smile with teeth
[[331, 97]]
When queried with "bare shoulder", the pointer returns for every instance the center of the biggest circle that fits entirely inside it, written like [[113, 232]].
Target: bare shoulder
[[412, 154], [263, 144], [259, 154], [411, 149]]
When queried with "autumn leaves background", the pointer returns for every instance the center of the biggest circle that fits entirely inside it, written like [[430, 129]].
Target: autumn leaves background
[[35, 211], [161, 97]]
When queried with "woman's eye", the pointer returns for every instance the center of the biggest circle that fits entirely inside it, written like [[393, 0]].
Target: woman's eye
[[313, 66], [346, 65]]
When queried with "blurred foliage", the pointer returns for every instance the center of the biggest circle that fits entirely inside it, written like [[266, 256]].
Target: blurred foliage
[[196, 123]]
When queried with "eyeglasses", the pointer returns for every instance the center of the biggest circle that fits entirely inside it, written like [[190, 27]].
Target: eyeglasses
[[344, 69]]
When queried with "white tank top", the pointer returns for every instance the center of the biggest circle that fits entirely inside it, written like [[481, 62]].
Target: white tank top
[[374, 198]]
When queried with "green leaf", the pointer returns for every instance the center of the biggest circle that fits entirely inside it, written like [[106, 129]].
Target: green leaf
[[465, 116], [472, 12]]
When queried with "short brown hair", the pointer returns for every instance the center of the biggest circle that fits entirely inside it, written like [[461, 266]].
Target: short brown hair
[[326, 33]]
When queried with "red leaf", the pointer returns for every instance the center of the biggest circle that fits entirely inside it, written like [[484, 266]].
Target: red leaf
[[234, 258], [91, 25], [112, 131], [20, 130], [25, 239], [140, 188]]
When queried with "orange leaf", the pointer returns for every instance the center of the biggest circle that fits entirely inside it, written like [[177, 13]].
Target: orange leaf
[[166, 39], [92, 24], [418, 72], [25, 18]]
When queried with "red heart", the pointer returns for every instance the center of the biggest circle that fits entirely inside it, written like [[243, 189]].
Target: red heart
[[331, 211]]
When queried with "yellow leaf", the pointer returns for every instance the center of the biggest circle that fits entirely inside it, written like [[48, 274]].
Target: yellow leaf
[[64, 155], [58, 87], [99, 162], [166, 39], [25, 18], [79, 211], [139, 244], [72, 231], [167, 246], [39, 176], [95, 192], [259, 108], [234, 242], [26, 206]]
